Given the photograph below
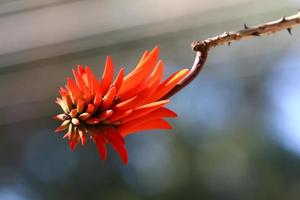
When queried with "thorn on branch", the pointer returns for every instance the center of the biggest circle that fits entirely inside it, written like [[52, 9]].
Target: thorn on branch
[[246, 27], [289, 30], [283, 19], [226, 33]]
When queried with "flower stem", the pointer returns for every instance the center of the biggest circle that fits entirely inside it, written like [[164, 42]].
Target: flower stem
[[202, 47]]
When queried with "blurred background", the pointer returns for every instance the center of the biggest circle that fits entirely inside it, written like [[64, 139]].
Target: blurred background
[[238, 131]]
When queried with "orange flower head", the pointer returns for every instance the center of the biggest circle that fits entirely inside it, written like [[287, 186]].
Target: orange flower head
[[108, 110]]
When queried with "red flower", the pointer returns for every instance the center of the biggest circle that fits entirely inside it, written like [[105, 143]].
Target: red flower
[[106, 111]]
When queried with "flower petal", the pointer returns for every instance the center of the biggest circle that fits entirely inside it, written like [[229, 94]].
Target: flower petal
[[168, 84], [82, 136], [74, 90], [119, 115], [63, 126], [119, 80], [60, 117], [140, 98], [93, 120], [158, 113], [92, 80], [148, 125], [141, 72], [119, 147], [72, 145], [157, 72], [79, 81], [63, 92], [107, 75], [100, 144], [80, 106], [62, 104], [141, 111], [84, 116], [114, 135], [90, 108], [80, 70], [108, 98], [98, 97], [144, 56], [105, 114]]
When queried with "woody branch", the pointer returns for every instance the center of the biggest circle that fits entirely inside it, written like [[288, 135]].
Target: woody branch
[[202, 47]]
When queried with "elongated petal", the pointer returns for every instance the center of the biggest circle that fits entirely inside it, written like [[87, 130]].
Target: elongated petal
[[107, 75], [158, 113], [140, 98], [90, 108], [148, 125], [72, 145], [71, 132], [82, 136], [63, 92], [98, 97], [87, 95], [100, 144], [131, 93], [104, 115], [62, 104], [80, 106], [131, 103], [119, 147], [79, 81], [168, 84], [137, 76], [119, 80], [91, 80], [60, 117], [80, 70], [75, 121], [73, 113], [109, 97], [63, 126], [141, 111], [150, 91], [145, 55], [92, 120], [145, 109], [119, 115], [157, 72], [114, 135], [84, 116], [84, 83], [74, 90]]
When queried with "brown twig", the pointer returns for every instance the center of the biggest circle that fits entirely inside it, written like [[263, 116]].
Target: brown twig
[[202, 47]]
